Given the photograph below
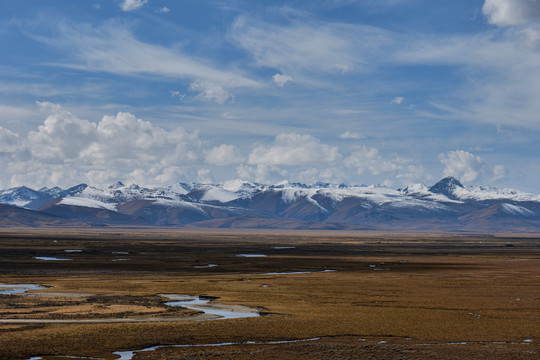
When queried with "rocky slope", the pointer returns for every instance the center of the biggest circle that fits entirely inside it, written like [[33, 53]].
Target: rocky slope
[[446, 206]]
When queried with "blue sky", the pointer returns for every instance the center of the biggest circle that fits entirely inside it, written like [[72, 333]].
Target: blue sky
[[157, 92]]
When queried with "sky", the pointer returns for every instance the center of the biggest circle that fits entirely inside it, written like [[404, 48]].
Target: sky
[[156, 92]]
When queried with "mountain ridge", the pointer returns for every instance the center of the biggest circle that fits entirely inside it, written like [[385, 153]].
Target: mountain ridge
[[446, 206]]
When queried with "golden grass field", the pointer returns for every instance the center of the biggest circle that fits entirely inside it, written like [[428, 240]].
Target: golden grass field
[[393, 296]]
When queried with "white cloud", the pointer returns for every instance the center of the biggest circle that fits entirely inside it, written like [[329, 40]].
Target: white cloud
[[351, 135], [113, 48], [262, 173], [369, 161], [130, 5], [306, 45], [164, 10], [61, 137], [209, 91], [502, 74], [468, 167], [281, 79], [9, 141], [328, 174], [511, 12], [499, 172], [205, 176], [13, 113], [293, 149], [223, 155], [116, 147], [178, 94], [462, 165], [132, 140], [343, 68], [397, 100]]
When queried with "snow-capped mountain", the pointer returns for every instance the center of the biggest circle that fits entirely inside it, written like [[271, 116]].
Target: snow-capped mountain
[[447, 205], [19, 196]]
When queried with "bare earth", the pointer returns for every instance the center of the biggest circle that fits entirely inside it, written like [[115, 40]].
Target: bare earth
[[393, 296]]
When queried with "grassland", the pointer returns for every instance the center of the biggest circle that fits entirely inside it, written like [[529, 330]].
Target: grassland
[[393, 296]]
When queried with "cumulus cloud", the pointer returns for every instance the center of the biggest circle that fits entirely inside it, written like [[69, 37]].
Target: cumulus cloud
[[164, 10], [223, 155], [281, 79], [118, 146], [62, 136], [132, 140], [511, 12], [462, 165], [368, 160], [293, 149], [130, 5], [209, 91]]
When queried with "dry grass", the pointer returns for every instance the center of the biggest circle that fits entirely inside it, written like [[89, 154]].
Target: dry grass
[[438, 289]]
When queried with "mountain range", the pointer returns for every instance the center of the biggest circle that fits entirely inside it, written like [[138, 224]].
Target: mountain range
[[446, 206]]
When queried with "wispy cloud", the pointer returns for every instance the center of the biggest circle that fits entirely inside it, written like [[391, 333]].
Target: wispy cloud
[[113, 48], [511, 12], [307, 44], [9, 113], [352, 135], [9, 141], [500, 74]]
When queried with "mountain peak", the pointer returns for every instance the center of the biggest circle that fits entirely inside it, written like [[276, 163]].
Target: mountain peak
[[446, 187], [117, 185]]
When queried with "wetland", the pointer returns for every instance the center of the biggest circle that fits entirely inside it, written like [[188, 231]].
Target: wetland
[[314, 295]]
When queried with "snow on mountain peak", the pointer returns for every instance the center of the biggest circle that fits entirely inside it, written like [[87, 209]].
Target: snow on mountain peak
[[19, 196], [415, 189], [482, 193], [281, 184], [117, 185], [85, 202], [219, 194], [239, 186], [439, 196], [447, 187], [511, 209]]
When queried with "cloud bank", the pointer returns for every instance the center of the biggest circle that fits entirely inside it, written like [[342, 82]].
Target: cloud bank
[[65, 150]]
